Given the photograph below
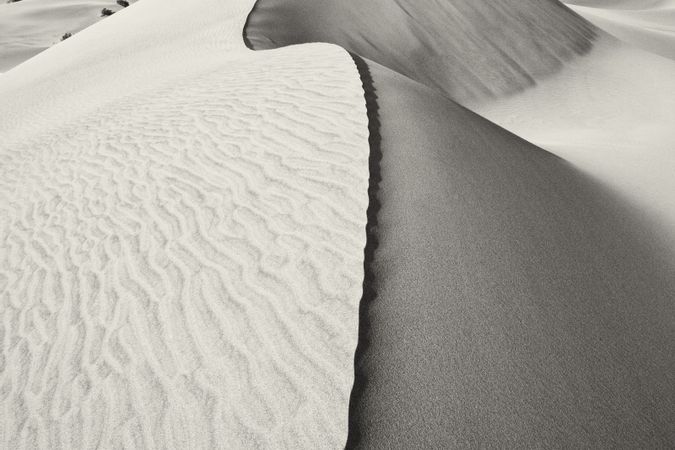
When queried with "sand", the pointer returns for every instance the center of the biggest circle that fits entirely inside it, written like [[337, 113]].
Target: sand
[[512, 301], [649, 25], [611, 114], [440, 46], [513, 297], [28, 27], [603, 105], [181, 237], [185, 227]]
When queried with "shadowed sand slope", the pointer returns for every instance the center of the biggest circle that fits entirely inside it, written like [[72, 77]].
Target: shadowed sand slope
[[181, 234], [510, 300], [465, 48]]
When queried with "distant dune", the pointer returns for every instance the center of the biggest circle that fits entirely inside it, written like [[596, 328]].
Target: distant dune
[[442, 46], [28, 27], [648, 24]]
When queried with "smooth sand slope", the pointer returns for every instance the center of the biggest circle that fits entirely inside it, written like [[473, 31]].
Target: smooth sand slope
[[28, 27], [512, 302], [648, 24], [182, 224], [612, 115]]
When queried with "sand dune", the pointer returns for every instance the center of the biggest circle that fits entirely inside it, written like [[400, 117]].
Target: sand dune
[[181, 234], [442, 46], [183, 224], [28, 27], [514, 302], [602, 105], [649, 25], [512, 298]]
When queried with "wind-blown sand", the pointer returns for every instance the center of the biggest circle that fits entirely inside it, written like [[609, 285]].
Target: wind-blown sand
[[181, 234], [183, 224]]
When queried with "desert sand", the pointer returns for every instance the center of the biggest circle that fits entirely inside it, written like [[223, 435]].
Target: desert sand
[[28, 27], [515, 297], [292, 224], [648, 24], [514, 301], [182, 224]]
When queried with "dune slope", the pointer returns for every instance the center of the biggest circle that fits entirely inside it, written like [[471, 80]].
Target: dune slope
[[28, 27], [181, 234], [538, 70], [470, 50], [511, 300], [649, 25]]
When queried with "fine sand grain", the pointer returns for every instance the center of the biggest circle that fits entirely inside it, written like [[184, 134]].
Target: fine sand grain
[[512, 301]]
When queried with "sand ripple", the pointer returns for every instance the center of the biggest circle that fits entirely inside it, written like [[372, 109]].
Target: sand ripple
[[181, 268]]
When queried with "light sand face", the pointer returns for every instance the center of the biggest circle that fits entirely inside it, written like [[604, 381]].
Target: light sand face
[[611, 114], [649, 25], [28, 27], [181, 237]]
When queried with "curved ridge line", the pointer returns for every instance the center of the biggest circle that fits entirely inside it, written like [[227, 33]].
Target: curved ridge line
[[372, 242]]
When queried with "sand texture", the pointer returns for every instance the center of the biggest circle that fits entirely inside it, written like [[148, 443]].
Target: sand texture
[[441, 224], [513, 301], [181, 234]]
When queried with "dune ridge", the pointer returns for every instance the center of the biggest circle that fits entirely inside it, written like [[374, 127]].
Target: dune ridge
[[603, 105], [468, 50]]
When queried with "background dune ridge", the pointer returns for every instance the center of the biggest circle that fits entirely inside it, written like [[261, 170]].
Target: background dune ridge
[[468, 50]]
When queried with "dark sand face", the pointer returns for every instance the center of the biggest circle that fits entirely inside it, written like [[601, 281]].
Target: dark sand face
[[510, 301], [467, 49]]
